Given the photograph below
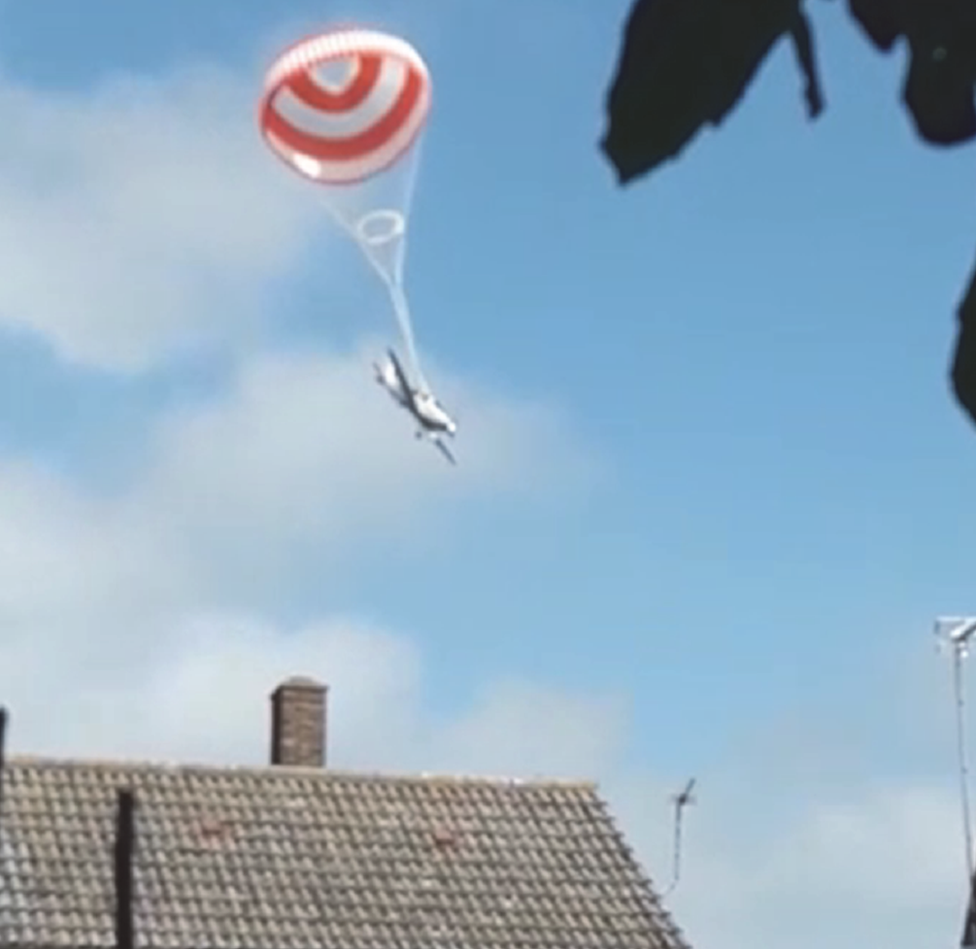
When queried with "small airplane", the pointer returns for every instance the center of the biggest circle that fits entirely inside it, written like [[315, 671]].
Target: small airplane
[[429, 414]]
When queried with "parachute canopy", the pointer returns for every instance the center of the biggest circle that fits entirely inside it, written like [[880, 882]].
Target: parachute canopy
[[345, 105], [344, 109]]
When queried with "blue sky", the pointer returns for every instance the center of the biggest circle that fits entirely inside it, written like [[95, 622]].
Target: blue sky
[[781, 499]]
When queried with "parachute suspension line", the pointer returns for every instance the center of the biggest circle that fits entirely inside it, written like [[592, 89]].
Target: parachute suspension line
[[393, 278], [381, 234], [960, 697], [412, 171], [402, 310]]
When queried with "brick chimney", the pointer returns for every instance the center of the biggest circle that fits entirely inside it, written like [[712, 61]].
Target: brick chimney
[[298, 723]]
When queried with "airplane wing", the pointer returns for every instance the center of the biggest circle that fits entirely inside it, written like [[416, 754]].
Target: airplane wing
[[410, 402], [444, 450]]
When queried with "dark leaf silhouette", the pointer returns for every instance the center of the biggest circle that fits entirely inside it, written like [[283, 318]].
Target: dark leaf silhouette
[[882, 20], [938, 88], [964, 363], [686, 63]]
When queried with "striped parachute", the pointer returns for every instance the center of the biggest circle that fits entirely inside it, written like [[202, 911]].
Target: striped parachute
[[346, 110]]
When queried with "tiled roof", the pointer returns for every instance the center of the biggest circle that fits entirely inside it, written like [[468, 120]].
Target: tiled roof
[[286, 858]]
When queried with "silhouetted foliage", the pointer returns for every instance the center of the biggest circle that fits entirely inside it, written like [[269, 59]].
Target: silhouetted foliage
[[964, 364], [941, 35], [687, 63]]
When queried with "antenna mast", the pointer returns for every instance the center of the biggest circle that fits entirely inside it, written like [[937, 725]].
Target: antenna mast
[[681, 801], [954, 632]]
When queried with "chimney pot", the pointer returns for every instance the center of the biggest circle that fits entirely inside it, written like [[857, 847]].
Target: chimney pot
[[298, 723]]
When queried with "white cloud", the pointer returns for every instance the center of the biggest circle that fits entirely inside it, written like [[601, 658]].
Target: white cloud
[[142, 218], [205, 697], [306, 444], [300, 451], [879, 865], [522, 728], [890, 845]]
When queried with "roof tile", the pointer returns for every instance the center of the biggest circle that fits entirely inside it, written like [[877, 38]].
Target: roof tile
[[282, 858]]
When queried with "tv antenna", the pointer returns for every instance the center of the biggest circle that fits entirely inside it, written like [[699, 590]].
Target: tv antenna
[[681, 801], [954, 633]]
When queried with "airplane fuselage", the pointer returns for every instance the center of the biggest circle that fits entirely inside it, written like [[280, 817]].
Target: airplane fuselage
[[427, 411]]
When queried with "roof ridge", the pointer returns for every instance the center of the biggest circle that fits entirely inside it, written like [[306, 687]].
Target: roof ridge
[[421, 777]]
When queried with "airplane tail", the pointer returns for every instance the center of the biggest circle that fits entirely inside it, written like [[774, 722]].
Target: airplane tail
[[445, 451]]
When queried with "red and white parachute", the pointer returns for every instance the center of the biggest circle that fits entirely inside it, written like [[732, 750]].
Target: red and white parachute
[[346, 109]]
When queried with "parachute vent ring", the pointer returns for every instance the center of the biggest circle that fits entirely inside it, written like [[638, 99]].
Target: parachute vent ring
[[380, 227]]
